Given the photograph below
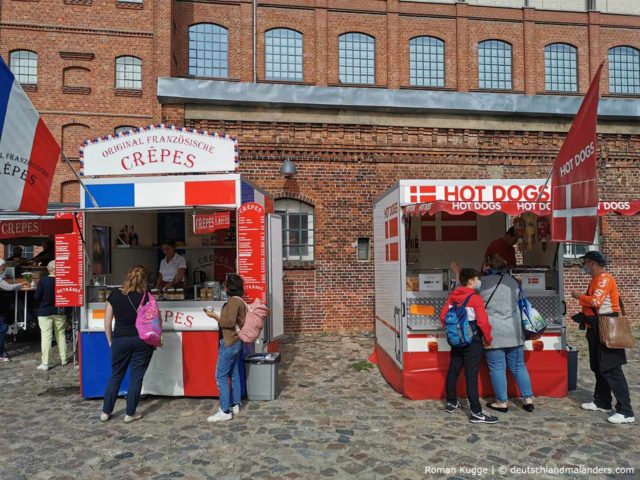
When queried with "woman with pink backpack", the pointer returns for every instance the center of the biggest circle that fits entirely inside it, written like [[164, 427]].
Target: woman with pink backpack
[[230, 349], [127, 348]]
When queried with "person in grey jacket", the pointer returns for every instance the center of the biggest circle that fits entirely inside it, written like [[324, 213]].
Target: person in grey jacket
[[507, 348]]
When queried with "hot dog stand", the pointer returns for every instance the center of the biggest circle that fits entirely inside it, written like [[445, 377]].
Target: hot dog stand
[[220, 222], [420, 227]]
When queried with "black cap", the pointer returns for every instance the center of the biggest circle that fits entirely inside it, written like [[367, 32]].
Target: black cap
[[597, 257]]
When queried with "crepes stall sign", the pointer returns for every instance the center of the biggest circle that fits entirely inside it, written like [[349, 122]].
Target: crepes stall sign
[[204, 223], [159, 149]]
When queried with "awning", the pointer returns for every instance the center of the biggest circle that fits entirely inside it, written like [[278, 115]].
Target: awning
[[513, 208], [33, 226]]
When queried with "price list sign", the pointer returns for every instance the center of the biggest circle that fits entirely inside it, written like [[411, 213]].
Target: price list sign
[[69, 265], [252, 261]]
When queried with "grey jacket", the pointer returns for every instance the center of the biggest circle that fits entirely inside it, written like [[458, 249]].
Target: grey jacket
[[503, 312]]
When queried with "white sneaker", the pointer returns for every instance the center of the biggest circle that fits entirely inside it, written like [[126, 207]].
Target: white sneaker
[[593, 407], [44, 366], [4, 359], [619, 418], [219, 416], [235, 409]]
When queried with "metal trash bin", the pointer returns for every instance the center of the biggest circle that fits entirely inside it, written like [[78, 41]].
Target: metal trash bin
[[262, 375]]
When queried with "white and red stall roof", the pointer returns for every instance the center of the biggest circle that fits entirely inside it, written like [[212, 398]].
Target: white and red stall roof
[[488, 196]]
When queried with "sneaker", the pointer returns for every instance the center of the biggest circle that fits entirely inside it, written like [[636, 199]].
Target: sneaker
[[235, 409], [482, 417], [219, 416], [452, 407], [593, 407], [104, 416], [131, 418], [4, 359], [64, 362], [44, 367], [619, 418]]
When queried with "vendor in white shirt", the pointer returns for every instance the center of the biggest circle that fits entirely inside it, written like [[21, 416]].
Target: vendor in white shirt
[[173, 268]]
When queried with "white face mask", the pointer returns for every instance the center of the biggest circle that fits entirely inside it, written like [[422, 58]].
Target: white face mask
[[478, 285], [586, 269]]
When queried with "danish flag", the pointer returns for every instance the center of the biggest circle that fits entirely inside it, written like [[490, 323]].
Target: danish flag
[[422, 194], [574, 179], [446, 227], [391, 239]]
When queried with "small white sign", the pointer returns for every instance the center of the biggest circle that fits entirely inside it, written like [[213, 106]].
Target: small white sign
[[159, 150], [430, 282]]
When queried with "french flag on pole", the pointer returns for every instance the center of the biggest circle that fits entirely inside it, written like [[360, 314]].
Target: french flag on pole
[[28, 151]]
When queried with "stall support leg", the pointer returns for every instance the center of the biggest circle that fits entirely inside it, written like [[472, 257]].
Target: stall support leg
[[26, 299]]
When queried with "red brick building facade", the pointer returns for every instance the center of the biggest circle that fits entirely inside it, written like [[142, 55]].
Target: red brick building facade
[[349, 142]]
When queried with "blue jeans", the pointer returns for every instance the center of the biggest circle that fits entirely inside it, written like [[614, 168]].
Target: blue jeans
[[498, 359], [3, 334], [127, 351], [229, 366]]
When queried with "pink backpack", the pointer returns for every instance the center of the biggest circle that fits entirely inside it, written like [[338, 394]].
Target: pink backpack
[[148, 321], [253, 321]]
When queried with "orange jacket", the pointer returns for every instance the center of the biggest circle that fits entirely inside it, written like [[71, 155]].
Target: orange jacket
[[602, 296]]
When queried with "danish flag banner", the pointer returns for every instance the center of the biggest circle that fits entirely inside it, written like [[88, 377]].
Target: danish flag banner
[[574, 178], [28, 151]]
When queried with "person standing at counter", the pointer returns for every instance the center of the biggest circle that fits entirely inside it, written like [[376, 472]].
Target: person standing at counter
[[3, 325], [47, 254], [603, 298], [173, 267], [500, 294], [230, 349], [504, 246], [49, 319], [127, 348]]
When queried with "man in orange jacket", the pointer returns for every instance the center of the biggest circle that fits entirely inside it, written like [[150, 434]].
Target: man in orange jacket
[[602, 298]]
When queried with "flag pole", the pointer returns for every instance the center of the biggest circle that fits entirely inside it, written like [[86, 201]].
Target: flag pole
[[546, 182], [86, 190]]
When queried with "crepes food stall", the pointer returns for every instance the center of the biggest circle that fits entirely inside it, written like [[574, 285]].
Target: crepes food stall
[[420, 227], [219, 222]]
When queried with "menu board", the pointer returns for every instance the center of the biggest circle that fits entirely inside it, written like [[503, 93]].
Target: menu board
[[69, 265], [252, 261]]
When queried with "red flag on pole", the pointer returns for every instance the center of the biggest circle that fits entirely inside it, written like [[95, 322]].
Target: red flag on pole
[[574, 179]]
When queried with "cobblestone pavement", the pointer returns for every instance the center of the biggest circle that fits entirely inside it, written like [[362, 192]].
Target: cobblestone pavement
[[330, 421]]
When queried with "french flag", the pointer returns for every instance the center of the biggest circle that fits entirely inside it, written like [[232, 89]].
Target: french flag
[[28, 151]]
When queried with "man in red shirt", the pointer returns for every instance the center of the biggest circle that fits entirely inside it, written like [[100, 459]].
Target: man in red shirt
[[503, 247]]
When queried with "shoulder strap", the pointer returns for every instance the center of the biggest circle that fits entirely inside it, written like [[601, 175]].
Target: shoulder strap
[[494, 291], [466, 300]]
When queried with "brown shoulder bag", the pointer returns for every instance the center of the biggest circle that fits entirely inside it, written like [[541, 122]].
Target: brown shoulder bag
[[615, 332]]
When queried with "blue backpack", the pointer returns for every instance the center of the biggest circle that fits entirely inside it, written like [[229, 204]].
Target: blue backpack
[[456, 325]]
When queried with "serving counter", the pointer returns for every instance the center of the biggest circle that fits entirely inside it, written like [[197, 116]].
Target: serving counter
[[184, 366]]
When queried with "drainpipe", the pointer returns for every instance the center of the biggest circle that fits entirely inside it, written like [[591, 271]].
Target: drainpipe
[[255, 41]]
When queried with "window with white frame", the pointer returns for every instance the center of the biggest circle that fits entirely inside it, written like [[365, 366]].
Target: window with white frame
[[356, 58], [283, 55], [561, 67], [208, 50], [494, 65], [24, 65], [129, 73], [574, 250], [624, 70], [297, 229], [27, 251], [426, 62]]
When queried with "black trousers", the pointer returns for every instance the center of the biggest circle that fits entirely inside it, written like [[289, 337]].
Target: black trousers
[[608, 381], [468, 357], [127, 351]]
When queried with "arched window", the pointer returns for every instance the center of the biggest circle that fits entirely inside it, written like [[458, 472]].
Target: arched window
[[129, 73], [283, 54], [624, 70], [494, 65], [357, 63], [123, 128], [297, 229], [208, 50], [426, 62], [24, 65], [561, 67]]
